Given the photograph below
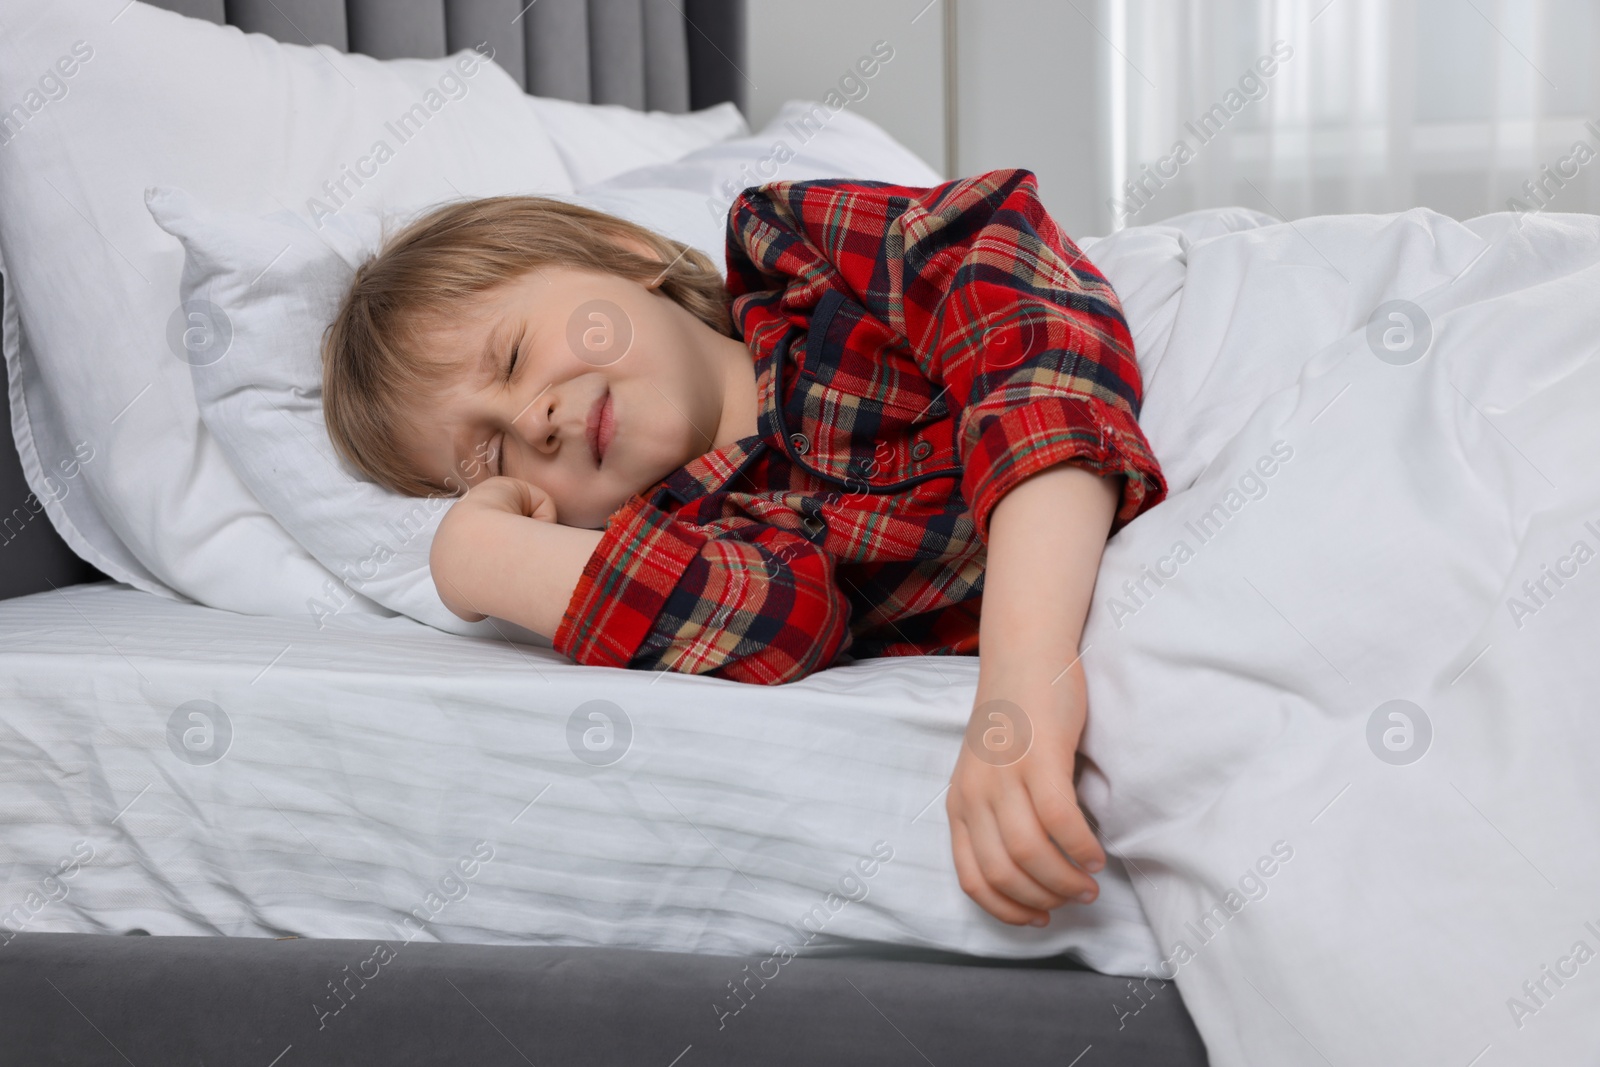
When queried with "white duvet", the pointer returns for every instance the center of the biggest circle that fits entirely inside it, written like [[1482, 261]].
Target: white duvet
[[1343, 681]]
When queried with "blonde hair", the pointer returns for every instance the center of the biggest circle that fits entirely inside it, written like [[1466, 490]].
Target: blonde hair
[[371, 353]]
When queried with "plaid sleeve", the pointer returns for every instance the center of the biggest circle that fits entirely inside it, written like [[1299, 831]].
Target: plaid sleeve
[[735, 598], [1003, 313]]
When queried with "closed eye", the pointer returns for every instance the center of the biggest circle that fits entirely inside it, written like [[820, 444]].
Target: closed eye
[[511, 369], [511, 364]]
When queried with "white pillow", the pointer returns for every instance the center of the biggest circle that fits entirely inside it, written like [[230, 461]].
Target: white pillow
[[805, 140], [265, 409], [597, 141], [280, 281], [115, 97]]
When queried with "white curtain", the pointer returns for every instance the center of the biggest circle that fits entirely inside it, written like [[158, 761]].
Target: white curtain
[[1300, 107]]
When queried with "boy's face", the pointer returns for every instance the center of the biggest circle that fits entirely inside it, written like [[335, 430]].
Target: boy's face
[[614, 387]]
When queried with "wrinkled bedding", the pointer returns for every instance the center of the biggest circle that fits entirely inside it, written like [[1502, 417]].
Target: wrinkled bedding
[[184, 770], [1342, 680]]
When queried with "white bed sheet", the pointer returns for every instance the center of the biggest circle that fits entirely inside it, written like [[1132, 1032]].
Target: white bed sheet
[[369, 757]]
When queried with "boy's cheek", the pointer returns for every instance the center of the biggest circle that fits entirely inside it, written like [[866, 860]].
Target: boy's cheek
[[478, 462]]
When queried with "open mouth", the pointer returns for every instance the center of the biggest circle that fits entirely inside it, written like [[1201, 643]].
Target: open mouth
[[600, 427]]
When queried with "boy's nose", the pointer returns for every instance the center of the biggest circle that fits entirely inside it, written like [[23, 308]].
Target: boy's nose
[[545, 424]]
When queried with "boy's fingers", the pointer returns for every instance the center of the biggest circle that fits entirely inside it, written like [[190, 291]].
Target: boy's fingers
[[1031, 848], [525, 497], [1000, 870], [976, 886], [1058, 809], [545, 510]]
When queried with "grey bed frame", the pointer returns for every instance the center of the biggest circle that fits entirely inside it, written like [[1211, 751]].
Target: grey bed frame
[[96, 998]]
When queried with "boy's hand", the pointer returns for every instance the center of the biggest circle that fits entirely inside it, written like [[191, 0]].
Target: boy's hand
[[1012, 801], [502, 493], [458, 543]]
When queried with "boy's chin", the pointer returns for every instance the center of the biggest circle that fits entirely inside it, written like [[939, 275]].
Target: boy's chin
[[594, 520]]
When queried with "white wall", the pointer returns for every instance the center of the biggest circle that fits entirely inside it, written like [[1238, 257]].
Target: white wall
[[1034, 83], [799, 49], [1029, 84]]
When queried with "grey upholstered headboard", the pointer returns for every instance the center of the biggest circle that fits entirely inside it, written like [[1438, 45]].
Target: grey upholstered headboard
[[666, 55]]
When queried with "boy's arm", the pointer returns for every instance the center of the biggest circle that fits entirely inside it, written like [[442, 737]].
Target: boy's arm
[[1025, 339], [1009, 323], [499, 551], [1009, 796], [743, 591], [734, 597]]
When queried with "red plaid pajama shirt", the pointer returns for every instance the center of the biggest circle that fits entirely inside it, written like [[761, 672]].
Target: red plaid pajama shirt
[[918, 352]]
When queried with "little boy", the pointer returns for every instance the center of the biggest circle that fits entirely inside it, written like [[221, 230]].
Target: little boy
[[903, 403]]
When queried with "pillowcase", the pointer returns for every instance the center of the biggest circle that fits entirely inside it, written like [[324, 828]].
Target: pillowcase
[[805, 140], [114, 97], [279, 281], [598, 141]]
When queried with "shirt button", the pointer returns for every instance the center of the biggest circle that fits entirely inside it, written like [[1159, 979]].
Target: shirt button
[[921, 450], [801, 445]]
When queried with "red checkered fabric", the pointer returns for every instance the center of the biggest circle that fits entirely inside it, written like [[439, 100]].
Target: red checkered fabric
[[918, 352]]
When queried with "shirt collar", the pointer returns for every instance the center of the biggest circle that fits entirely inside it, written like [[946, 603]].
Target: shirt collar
[[708, 473]]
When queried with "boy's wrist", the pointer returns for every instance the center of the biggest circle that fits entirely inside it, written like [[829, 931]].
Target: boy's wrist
[[1048, 531], [1029, 670], [1041, 687]]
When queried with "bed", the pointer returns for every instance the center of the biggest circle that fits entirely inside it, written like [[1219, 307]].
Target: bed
[[285, 839], [354, 768], [1341, 741]]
